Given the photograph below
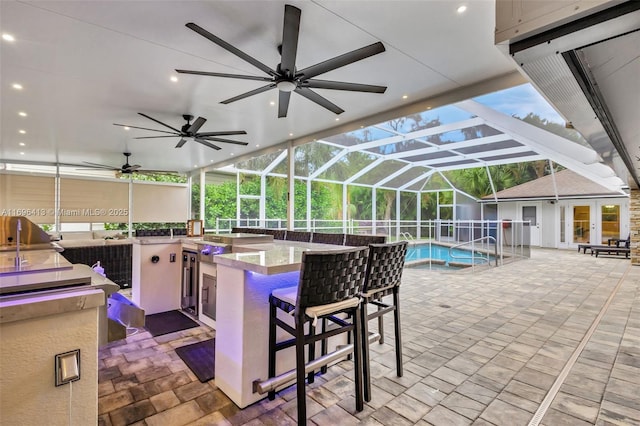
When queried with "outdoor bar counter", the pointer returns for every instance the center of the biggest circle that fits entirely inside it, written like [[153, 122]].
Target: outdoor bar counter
[[245, 281]]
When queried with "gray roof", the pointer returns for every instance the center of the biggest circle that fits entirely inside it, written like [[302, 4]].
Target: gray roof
[[569, 184]]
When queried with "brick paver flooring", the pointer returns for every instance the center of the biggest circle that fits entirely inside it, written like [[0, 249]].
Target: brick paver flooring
[[480, 348]]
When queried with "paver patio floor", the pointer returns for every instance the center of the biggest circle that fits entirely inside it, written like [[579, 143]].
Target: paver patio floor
[[482, 348]]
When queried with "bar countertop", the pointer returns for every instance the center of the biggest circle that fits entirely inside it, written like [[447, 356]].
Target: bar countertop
[[271, 258]]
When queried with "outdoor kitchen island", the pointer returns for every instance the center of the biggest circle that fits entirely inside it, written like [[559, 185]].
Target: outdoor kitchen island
[[246, 278]]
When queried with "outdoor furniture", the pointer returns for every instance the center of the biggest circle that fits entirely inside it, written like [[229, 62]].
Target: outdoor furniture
[[384, 273], [611, 250], [330, 283], [298, 236], [356, 240], [278, 234], [326, 238], [618, 241]]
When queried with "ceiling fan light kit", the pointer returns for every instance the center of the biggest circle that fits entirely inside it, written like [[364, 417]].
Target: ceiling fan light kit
[[285, 77]]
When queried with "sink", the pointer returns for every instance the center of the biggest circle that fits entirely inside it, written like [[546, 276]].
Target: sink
[[32, 261]]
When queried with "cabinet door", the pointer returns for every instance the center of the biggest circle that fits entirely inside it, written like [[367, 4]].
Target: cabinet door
[[209, 287]]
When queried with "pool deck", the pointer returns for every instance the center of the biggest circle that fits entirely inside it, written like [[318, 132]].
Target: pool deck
[[560, 331]]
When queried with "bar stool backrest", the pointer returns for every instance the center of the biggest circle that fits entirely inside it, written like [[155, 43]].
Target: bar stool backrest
[[384, 267], [278, 234], [356, 240], [331, 276], [238, 230], [327, 238], [298, 236]]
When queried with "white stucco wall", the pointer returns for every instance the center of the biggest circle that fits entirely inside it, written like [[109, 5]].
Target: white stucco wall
[[28, 395]]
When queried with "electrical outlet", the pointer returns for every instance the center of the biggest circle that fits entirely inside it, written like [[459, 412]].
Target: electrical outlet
[[172, 257], [67, 367]]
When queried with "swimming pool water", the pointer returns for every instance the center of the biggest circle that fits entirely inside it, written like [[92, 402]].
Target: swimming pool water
[[435, 251]]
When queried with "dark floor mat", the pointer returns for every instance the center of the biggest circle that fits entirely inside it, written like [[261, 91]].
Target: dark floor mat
[[200, 358], [168, 322]]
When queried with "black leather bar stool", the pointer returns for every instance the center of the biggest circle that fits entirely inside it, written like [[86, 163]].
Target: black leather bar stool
[[330, 283], [384, 273]]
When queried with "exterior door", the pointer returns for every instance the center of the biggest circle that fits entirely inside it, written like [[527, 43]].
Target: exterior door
[[531, 213], [583, 225]]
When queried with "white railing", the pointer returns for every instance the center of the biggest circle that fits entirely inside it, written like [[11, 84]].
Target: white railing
[[512, 238]]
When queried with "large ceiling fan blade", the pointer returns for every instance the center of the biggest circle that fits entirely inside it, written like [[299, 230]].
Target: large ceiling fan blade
[[211, 138], [341, 85], [323, 102], [181, 143], [218, 74], [283, 103], [100, 166], [223, 133], [250, 93], [132, 168], [195, 126], [143, 128], [290, 32], [156, 137], [209, 144], [341, 61], [206, 34], [159, 122]]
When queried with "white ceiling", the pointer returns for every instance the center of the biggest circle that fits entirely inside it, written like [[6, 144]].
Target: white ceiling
[[85, 65]]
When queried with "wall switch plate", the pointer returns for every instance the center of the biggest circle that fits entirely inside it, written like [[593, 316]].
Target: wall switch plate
[[172, 257], [67, 367]]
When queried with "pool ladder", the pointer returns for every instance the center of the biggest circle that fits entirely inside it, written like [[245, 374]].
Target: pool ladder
[[473, 252], [406, 236]]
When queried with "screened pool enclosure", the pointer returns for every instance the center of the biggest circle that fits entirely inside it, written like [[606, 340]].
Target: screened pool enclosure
[[415, 177]]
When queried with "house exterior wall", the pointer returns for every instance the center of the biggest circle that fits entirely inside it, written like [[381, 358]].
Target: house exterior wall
[[550, 218], [634, 229]]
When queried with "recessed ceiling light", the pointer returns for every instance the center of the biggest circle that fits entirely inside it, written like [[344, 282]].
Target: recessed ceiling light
[[21, 144], [212, 161], [462, 9], [290, 134], [22, 132], [22, 153], [17, 86], [8, 37], [405, 96], [195, 165], [428, 107], [232, 153], [174, 78], [126, 127], [257, 145], [22, 114], [272, 103]]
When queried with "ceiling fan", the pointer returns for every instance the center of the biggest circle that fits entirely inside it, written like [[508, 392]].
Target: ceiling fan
[[286, 78], [190, 130], [128, 169]]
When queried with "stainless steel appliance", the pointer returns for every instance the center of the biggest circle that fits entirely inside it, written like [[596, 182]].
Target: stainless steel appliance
[[190, 276], [209, 279]]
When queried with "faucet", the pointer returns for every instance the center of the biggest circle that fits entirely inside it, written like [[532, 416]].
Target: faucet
[[18, 259]]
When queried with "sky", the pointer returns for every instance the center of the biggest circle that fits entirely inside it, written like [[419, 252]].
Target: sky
[[520, 101]]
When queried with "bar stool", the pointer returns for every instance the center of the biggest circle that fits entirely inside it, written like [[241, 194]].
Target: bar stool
[[298, 236], [356, 240], [384, 273], [330, 283], [326, 238]]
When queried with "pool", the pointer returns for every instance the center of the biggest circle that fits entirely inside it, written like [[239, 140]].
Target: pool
[[423, 253]]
